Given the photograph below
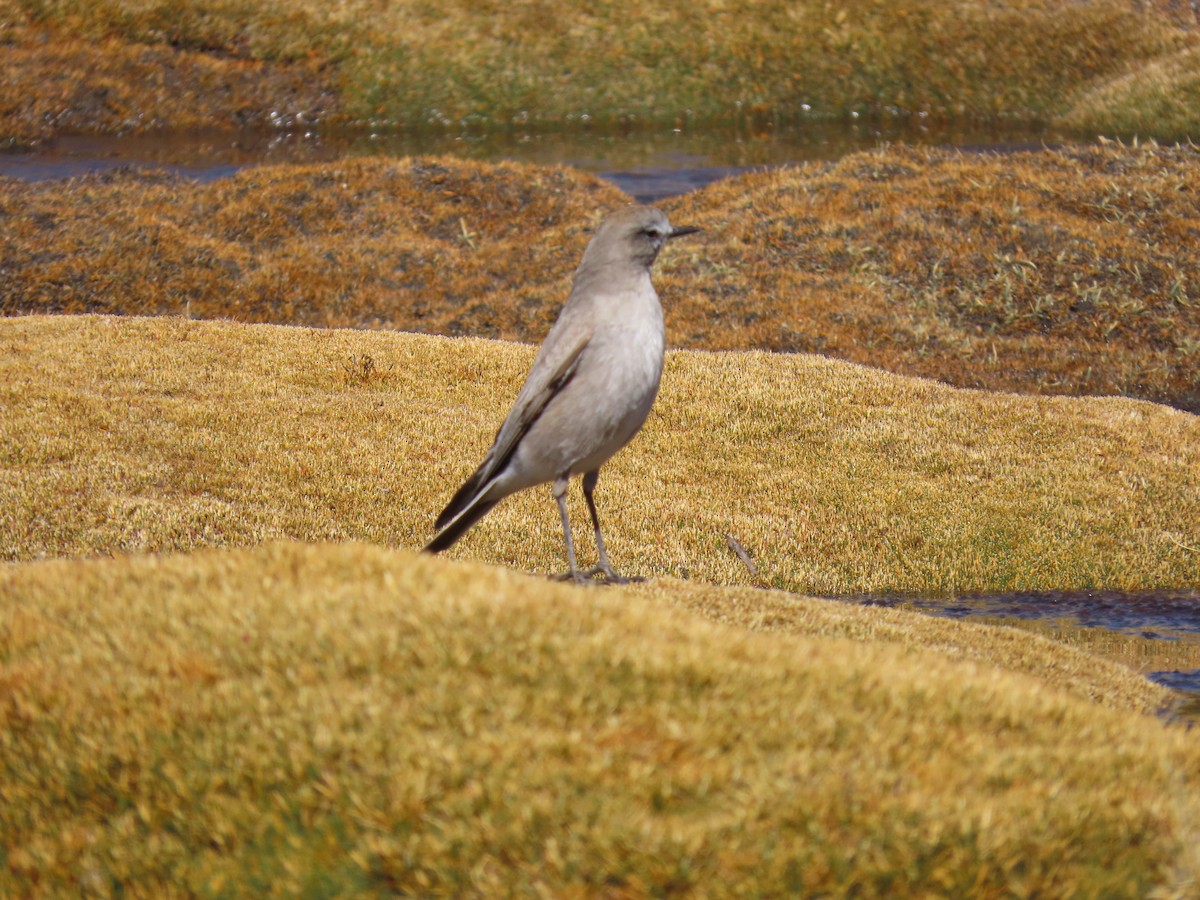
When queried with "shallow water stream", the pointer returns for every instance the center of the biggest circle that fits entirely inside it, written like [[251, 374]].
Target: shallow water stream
[[647, 163]]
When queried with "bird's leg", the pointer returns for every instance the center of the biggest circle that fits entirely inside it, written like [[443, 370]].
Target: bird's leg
[[559, 489], [603, 567]]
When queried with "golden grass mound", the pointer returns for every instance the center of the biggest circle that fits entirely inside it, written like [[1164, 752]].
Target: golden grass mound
[[334, 720], [1073, 271], [135, 435]]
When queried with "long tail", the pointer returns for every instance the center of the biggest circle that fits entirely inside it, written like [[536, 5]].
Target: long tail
[[458, 527], [465, 508]]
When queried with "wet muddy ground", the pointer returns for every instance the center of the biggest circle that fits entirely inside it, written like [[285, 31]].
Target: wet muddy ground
[[1156, 633]]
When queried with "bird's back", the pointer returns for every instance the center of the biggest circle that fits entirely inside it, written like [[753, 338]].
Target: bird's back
[[611, 390]]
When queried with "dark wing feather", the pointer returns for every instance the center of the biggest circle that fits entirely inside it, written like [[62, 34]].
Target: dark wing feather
[[465, 508]]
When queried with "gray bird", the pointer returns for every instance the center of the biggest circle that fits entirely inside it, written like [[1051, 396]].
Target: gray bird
[[590, 389]]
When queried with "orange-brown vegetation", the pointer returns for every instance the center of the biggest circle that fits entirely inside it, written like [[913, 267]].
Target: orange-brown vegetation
[[54, 81], [1061, 271], [1066, 271], [420, 245]]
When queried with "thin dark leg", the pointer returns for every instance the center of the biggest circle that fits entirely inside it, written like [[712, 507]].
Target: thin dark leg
[[603, 568]]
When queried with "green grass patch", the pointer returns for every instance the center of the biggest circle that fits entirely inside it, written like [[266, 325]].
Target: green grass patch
[[494, 65], [1158, 100]]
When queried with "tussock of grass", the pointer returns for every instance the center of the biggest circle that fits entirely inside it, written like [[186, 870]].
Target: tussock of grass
[[1073, 271], [1069, 271], [63, 72], [432, 244], [339, 719], [163, 434], [490, 64]]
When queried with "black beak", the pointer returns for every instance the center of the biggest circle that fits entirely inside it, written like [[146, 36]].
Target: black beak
[[681, 230]]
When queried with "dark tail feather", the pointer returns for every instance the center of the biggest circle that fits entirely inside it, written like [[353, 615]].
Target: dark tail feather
[[463, 497], [465, 508], [457, 527]]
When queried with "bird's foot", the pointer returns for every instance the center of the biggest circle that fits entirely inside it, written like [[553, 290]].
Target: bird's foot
[[601, 574], [606, 574], [573, 575]]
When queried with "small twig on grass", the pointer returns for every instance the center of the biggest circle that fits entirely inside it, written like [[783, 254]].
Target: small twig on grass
[[468, 236], [735, 545], [1183, 546]]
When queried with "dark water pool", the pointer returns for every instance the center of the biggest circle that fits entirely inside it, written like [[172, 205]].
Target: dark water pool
[[1165, 615]]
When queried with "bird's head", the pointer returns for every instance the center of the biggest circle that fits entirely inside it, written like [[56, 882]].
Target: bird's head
[[635, 234]]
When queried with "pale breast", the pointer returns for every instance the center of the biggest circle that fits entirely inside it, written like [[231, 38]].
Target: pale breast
[[604, 405]]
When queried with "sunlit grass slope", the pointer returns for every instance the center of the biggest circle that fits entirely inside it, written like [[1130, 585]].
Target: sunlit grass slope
[[154, 434], [329, 720], [486, 64]]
